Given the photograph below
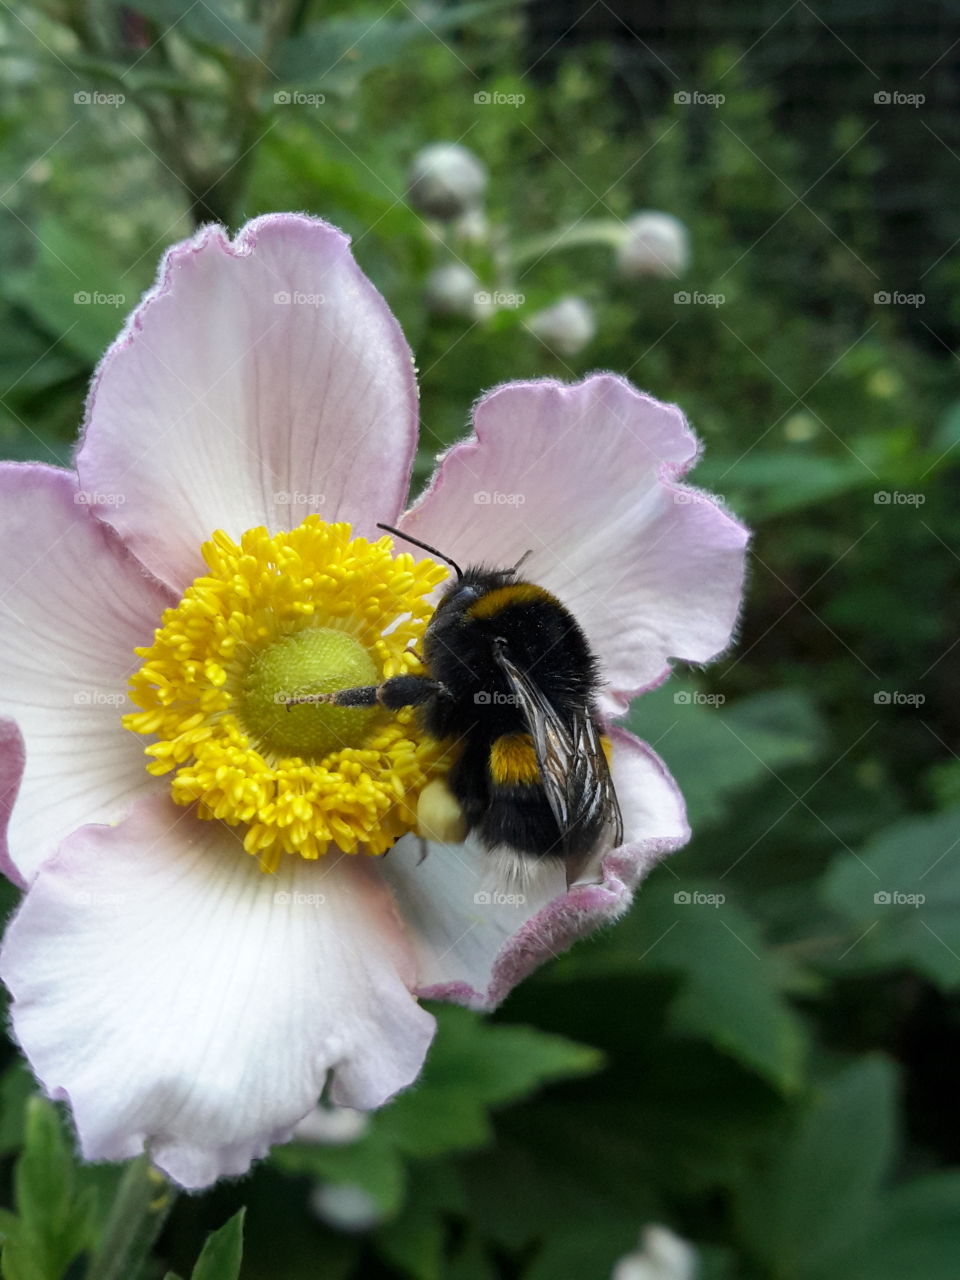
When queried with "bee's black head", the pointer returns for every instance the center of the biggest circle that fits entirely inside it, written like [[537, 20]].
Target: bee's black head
[[474, 582]]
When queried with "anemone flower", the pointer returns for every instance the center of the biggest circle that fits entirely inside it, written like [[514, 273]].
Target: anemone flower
[[211, 936]]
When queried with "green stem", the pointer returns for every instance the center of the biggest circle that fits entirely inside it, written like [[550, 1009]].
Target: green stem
[[597, 231], [143, 1201]]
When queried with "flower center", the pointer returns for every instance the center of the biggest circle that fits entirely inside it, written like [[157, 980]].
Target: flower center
[[277, 616], [317, 660]]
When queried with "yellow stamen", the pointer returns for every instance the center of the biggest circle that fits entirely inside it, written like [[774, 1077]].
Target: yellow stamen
[[277, 616]]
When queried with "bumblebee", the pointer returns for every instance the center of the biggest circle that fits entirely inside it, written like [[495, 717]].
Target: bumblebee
[[512, 683]]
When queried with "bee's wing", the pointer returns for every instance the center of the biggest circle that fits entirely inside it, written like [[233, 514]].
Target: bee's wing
[[599, 808], [573, 770]]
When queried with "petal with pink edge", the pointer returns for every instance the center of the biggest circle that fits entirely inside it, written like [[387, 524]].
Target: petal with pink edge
[[474, 942], [261, 380], [13, 758], [73, 607], [584, 477], [177, 996]]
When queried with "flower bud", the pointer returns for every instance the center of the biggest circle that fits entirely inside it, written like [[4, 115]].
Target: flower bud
[[653, 244], [345, 1207], [332, 1126], [662, 1256], [453, 290], [446, 180], [566, 327]]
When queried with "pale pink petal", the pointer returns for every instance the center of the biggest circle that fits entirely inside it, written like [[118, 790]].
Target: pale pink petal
[[177, 996], [474, 942], [585, 477], [73, 607], [223, 406]]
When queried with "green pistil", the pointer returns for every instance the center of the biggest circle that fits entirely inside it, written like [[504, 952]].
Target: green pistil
[[320, 660]]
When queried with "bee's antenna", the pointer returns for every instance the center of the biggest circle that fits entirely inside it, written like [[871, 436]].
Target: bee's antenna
[[424, 545], [526, 556]]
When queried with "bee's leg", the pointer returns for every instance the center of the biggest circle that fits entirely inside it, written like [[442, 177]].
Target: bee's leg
[[397, 692], [424, 850]]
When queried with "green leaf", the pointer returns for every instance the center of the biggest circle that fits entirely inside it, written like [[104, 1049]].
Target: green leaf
[[214, 26], [75, 289], [815, 1196], [138, 1204], [732, 988], [222, 1253], [414, 1243], [901, 897], [918, 1232], [373, 1163], [334, 55], [16, 1087], [772, 482], [732, 984], [717, 751], [52, 1218], [473, 1067]]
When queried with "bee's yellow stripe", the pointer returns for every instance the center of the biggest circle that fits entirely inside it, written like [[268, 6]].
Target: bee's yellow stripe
[[513, 761], [500, 597]]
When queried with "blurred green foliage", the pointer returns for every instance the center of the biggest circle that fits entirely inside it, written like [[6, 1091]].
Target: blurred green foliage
[[763, 1054]]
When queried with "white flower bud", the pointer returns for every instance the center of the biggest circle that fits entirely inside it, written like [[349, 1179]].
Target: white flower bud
[[446, 180], [473, 227], [662, 1256], [332, 1126], [453, 290], [653, 244], [345, 1207], [566, 327]]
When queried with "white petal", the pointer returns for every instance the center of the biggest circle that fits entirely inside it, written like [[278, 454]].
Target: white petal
[[263, 379], [176, 995], [73, 607]]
